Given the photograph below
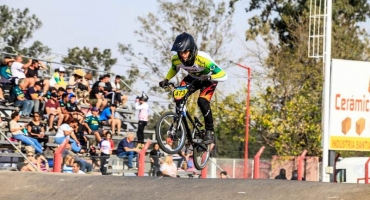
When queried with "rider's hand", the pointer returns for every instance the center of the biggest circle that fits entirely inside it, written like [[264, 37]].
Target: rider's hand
[[163, 83], [205, 78]]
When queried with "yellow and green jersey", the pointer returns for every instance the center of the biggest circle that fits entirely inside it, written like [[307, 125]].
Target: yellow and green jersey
[[203, 65]]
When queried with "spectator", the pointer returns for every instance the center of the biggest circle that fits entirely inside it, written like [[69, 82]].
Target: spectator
[[282, 174], [34, 94], [76, 168], [36, 129], [18, 68], [108, 118], [61, 91], [58, 78], [168, 167], [155, 160], [42, 163], [21, 101], [53, 112], [295, 175], [116, 87], [5, 68], [80, 132], [63, 105], [25, 167], [66, 131], [179, 158], [92, 123], [78, 81], [143, 107], [68, 164], [106, 150], [69, 90], [17, 132], [73, 110], [223, 174], [85, 166], [126, 147], [51, 90], [97, 96], [32, 75]]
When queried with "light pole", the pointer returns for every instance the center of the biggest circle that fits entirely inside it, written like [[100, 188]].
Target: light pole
[[247, 113]]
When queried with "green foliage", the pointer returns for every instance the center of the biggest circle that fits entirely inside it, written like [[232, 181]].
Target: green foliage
[[16, 28], [96, 60], [286, 114], [208, 22]]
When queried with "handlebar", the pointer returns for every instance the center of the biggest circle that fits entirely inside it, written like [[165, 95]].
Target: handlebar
[[172, 84]]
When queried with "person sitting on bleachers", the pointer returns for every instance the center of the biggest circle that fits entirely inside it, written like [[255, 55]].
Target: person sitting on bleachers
[[155, 159], [36, 129], [92, 123], [168, 167], [67, 164], [21, 101], [107, 117], [33, 76], [5, 68], [80, 85], [18, 69], [126, 147], [120, 98], [51, 90], [60, 93], [63, 106], [108, 90], [76, 168], [85, 166], [17, 132], [58, 78], [180, 157], [97, 96], [33, 94], [66, 131], [53, 112], [42, 163], [73, 109]]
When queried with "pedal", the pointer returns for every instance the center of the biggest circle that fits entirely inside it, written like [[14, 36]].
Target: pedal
[[197, 122]]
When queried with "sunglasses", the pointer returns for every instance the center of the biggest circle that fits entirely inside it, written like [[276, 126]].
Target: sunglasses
[[29, 155], [36, 116]]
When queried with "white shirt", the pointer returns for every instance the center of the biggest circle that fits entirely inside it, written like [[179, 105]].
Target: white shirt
[[17, 70], [61, 129], [115, 86], [105, 147], [171, 169]]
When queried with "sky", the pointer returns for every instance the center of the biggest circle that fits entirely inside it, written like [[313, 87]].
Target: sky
[[104, 24]]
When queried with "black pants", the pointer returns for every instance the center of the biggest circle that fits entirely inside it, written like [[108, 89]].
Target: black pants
[[104, 159], [140, 131], [117, 97], [207, 88]]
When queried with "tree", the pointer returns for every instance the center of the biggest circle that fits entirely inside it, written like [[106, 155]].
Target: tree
[[94, 59], [17, 27], [209, 23], [287, 114]]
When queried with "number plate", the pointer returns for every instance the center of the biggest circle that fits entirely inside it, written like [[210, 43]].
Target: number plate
[[179, 92]]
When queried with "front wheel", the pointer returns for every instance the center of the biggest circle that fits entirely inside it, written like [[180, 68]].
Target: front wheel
[[201, 155], [170, 133]]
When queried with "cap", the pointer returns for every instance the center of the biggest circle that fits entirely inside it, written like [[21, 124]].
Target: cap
[[72, 95], [61, 69], [54, 94], [102, 84], [94, 109], [69, 87], [113, 105], [169, 140]]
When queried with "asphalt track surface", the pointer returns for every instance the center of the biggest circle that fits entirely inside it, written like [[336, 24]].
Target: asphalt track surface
[[52, 186]]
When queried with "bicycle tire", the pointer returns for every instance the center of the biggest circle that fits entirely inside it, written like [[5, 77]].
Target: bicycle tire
[[201, 156], [162, 132]]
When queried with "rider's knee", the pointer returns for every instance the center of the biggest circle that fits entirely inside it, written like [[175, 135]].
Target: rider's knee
[[203, 103]]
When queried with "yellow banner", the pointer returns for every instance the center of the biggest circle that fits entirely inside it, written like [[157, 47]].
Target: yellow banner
[[349, 143]]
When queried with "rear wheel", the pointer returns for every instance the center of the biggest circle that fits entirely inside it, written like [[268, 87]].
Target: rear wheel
[[201, 155], [168, 129]]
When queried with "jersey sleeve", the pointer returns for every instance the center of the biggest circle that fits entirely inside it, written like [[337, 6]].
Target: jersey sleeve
[[173, 70]]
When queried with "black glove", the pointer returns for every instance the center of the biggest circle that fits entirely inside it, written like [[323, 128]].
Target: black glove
[[163, 83], [205, 78]]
